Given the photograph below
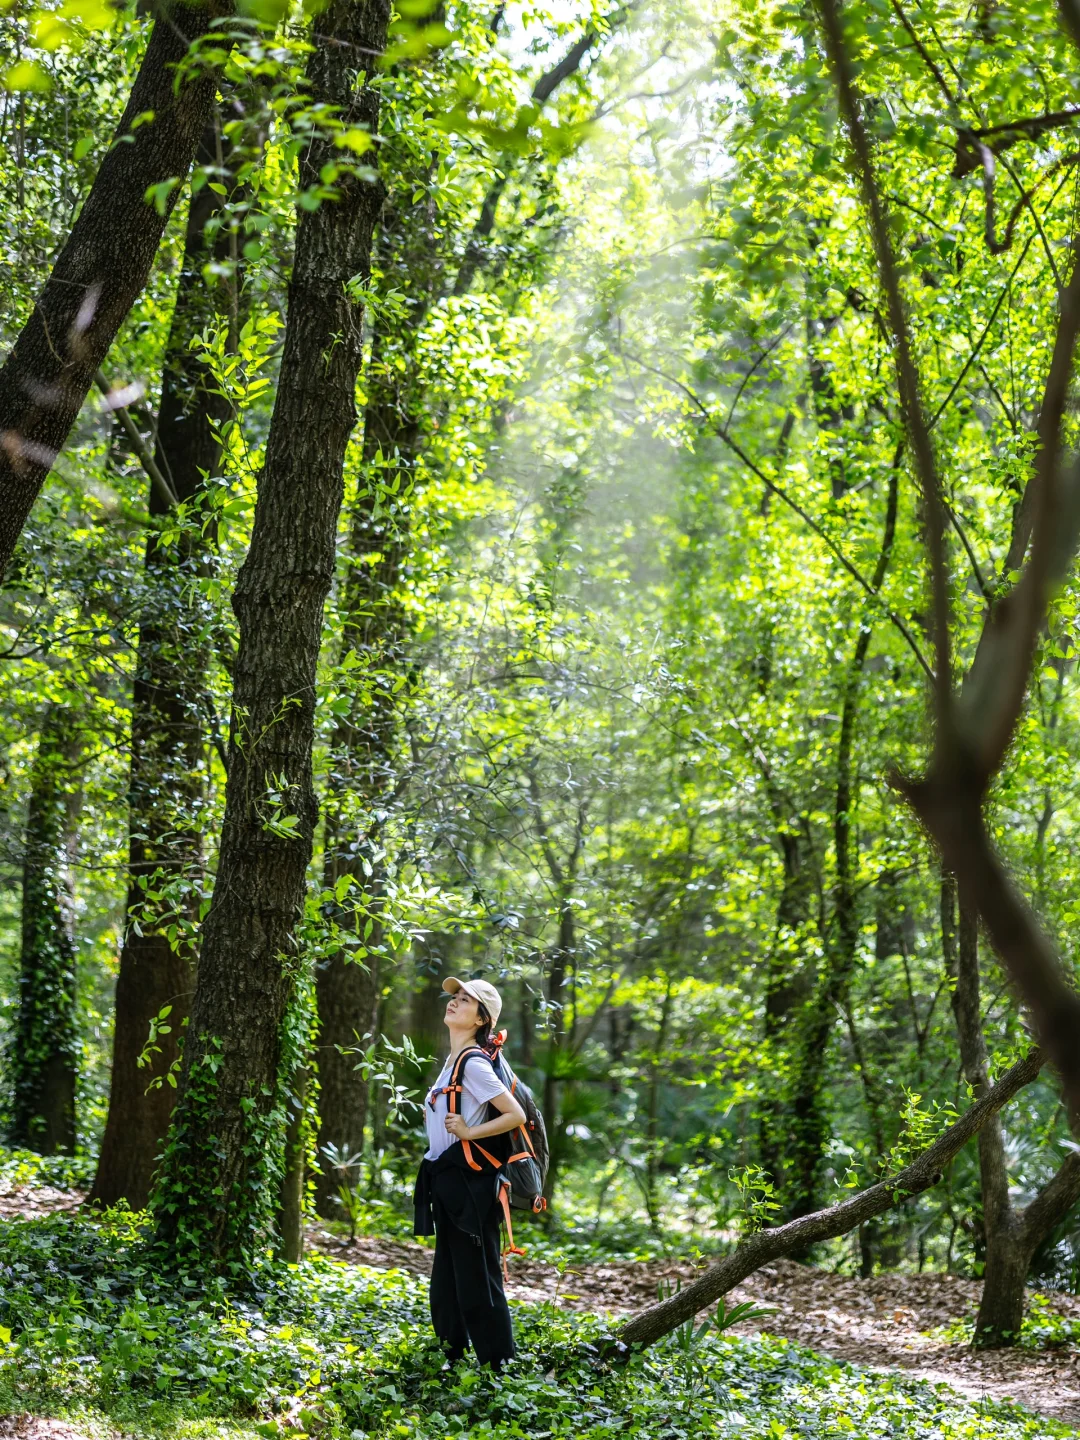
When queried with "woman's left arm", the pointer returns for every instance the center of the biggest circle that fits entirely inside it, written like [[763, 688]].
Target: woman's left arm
[[511, 1116]]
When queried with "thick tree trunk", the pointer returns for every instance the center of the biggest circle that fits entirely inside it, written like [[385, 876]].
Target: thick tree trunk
[[1008, 1258], [167, 795], [103, 266], [45, 1042], [376, 628], [222, 1164]]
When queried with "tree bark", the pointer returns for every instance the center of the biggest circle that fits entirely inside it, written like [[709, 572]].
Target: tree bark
[[1011, 1236], [924, 1172], [364, 744], [291, 1203], [222, 1165], [167, 795], [45, 1041], [105, 263]]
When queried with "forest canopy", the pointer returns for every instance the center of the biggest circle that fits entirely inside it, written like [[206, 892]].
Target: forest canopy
[[585, 498]]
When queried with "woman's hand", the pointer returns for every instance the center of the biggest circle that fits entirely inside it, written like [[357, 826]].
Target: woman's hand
[[456, 1126]]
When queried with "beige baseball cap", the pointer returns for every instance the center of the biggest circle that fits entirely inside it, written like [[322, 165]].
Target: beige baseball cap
[[480, 990]]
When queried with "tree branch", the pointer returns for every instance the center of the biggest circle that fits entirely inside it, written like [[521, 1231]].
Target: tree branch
[[145, 458], [923, 1173]]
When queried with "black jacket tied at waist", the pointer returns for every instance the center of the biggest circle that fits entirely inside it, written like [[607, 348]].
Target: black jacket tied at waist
[[449, 1188]]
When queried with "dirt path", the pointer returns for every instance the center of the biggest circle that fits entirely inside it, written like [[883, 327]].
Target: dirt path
[[881, 1323]]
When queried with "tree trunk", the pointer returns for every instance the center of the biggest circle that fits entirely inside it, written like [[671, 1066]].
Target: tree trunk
[[434, 957], [561, 961], [104, 265], [652, 1128], [45, 1041], [222, 1164], [291, 1203], [786, 986], [1011, 1236], [167, 795], [1008, 1258]]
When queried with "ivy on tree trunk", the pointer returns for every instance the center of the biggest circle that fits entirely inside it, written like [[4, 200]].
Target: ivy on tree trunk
[[221, 1172], [45, 1041], [167, 796]]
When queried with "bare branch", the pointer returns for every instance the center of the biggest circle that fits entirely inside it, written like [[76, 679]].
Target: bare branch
[[906, 372], [982, 338], [543, 834], [721, 432], [146, 460]]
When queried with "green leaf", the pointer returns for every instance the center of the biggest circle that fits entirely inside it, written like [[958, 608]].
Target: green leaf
[[28, 76]]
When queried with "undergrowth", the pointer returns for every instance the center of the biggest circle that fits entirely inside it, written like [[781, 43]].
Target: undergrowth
[[1044, 1327], [63, 1172], [90, 1329]]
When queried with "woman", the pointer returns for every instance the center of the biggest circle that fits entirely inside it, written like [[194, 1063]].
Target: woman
[[457, 1202]]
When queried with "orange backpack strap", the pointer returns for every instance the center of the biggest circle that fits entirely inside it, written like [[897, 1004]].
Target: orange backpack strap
[[452, 1091], [509, 1248]]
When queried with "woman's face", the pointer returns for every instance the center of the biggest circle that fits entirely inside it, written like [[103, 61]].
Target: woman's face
[[462, 1011]]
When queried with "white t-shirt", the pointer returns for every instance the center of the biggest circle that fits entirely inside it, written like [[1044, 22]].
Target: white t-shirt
[[479, 1085]]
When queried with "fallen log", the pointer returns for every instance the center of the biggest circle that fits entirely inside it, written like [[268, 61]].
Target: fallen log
[[923, 1173]]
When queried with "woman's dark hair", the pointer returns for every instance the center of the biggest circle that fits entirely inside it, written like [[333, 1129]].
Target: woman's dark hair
[[483, 1034]]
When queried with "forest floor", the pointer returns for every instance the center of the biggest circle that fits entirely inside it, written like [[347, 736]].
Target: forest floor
[[887, 1322]]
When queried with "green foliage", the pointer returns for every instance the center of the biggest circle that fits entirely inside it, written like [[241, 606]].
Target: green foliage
[[19, 1168], [921, 1127], [690, 1335], [756, 1197], [1045, 1327], [89, 1326]]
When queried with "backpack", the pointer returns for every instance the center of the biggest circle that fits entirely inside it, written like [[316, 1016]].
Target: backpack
[[527, 1173], [520, 1177]]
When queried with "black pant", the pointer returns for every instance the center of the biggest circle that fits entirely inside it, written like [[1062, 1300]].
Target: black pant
[[467, 1297]]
